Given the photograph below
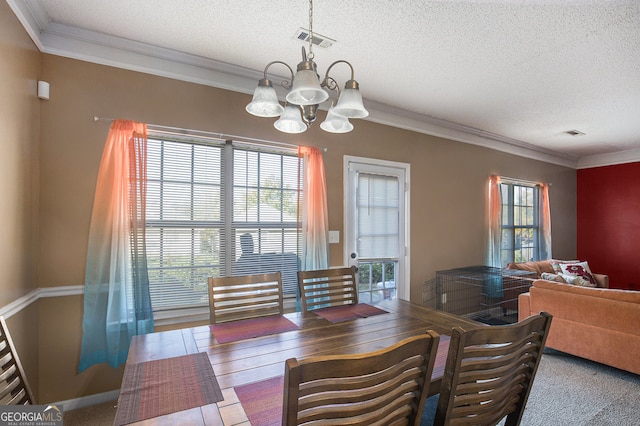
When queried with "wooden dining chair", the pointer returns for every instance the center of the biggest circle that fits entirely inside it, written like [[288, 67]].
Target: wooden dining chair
[[385, 387], [245, 296], [490, 371], [327, 287], [14, 388]]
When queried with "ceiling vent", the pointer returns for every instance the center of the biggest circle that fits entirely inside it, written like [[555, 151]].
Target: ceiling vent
[[318, 39], [574, 133]]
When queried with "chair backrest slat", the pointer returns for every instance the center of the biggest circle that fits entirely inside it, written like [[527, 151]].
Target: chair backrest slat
[[245, 296], [490, 371], [327, 287], [388, 386], [14, 387]]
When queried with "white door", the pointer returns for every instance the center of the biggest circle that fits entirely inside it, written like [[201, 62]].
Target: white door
[[376, 227]]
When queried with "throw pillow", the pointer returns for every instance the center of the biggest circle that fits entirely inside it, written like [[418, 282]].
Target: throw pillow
[[580, 269], [553, 277], [556, 264], [577, 280]]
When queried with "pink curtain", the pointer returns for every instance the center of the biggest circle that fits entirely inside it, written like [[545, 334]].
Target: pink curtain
[[314, 213], [545, 223], [495, 223], [117, 304]]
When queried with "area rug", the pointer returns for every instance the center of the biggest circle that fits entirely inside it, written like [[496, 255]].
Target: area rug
[[262, 401], [441, 356], [164, 386], [255, 327], [337, 314]]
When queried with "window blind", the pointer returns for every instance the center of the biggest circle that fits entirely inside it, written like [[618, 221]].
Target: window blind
[[520, 222], [206, 202]]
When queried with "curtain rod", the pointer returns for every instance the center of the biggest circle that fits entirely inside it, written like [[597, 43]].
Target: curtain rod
[[223, 136], [523, 181]]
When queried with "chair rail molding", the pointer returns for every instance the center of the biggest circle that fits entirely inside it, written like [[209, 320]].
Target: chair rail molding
[[21, 303]]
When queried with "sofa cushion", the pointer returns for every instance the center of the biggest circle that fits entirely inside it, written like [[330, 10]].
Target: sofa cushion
[[545, 266], [580, 269], [553, 277], [631, 296], [537, 267], [607, 308], [525, 266], [576, 280]]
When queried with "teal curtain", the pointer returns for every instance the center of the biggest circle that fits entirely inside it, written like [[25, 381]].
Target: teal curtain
[[544, 243], [315, 217], [493, 282], [117, 303], [494, 202]]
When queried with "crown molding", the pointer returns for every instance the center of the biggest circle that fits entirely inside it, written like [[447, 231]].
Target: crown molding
[[32, 16], [76, 43], [622, 157], [408, 120]]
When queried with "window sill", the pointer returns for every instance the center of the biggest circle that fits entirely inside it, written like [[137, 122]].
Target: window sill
[[199, 314]]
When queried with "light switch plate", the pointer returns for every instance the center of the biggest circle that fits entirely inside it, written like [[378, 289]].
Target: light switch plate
[[334, 237]]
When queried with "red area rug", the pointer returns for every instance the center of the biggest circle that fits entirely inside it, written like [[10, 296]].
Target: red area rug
[[164, 386], [262, 401], [342, 313], [441, 356], [255, 327]]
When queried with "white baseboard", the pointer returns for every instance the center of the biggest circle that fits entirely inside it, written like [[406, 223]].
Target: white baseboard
[[87, 401]]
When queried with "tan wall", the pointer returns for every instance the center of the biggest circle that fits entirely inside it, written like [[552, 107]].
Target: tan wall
[[19, 134], [448, 178], [60, 340], [448, 185]]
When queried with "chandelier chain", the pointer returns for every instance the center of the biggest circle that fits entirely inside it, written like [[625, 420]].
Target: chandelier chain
[[307, 90], [310, 56]]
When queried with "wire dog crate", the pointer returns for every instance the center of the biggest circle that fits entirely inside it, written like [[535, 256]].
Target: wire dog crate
[[482, 293]]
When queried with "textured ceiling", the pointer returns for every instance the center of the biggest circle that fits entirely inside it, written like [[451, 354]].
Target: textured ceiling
[[519, 72]]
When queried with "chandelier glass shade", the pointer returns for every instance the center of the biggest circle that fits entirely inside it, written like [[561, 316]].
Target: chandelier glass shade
[[306, 92], [336, 123], [290, 120], [265, 101], [306, 89]]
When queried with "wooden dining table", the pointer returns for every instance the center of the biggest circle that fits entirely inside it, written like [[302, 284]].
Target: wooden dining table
[[255, 359]]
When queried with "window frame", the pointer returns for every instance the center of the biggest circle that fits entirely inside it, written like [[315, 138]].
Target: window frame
[[228, 228], [509, 227]]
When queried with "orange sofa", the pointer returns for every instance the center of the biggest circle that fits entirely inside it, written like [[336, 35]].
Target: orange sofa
[[599, 324]]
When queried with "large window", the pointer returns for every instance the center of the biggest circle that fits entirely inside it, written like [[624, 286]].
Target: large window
[[217, 208], [520, 222]]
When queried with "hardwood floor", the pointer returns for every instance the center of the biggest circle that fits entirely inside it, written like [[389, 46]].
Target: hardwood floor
[[251, 360]]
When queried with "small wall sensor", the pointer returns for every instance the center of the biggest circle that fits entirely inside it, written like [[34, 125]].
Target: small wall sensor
[[43, 90]]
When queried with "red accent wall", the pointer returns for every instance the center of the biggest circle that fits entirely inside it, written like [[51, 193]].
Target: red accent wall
[[608, 222]]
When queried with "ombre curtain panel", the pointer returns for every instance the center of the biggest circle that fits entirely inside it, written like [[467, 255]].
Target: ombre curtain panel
[[117, 303], [544, 246], [495, 223], [314, 212], [494, 257]]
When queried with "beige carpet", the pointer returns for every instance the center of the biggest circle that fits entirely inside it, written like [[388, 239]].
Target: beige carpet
[[572, 391]]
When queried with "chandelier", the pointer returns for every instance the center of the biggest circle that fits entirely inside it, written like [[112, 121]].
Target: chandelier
[[305, 94]]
